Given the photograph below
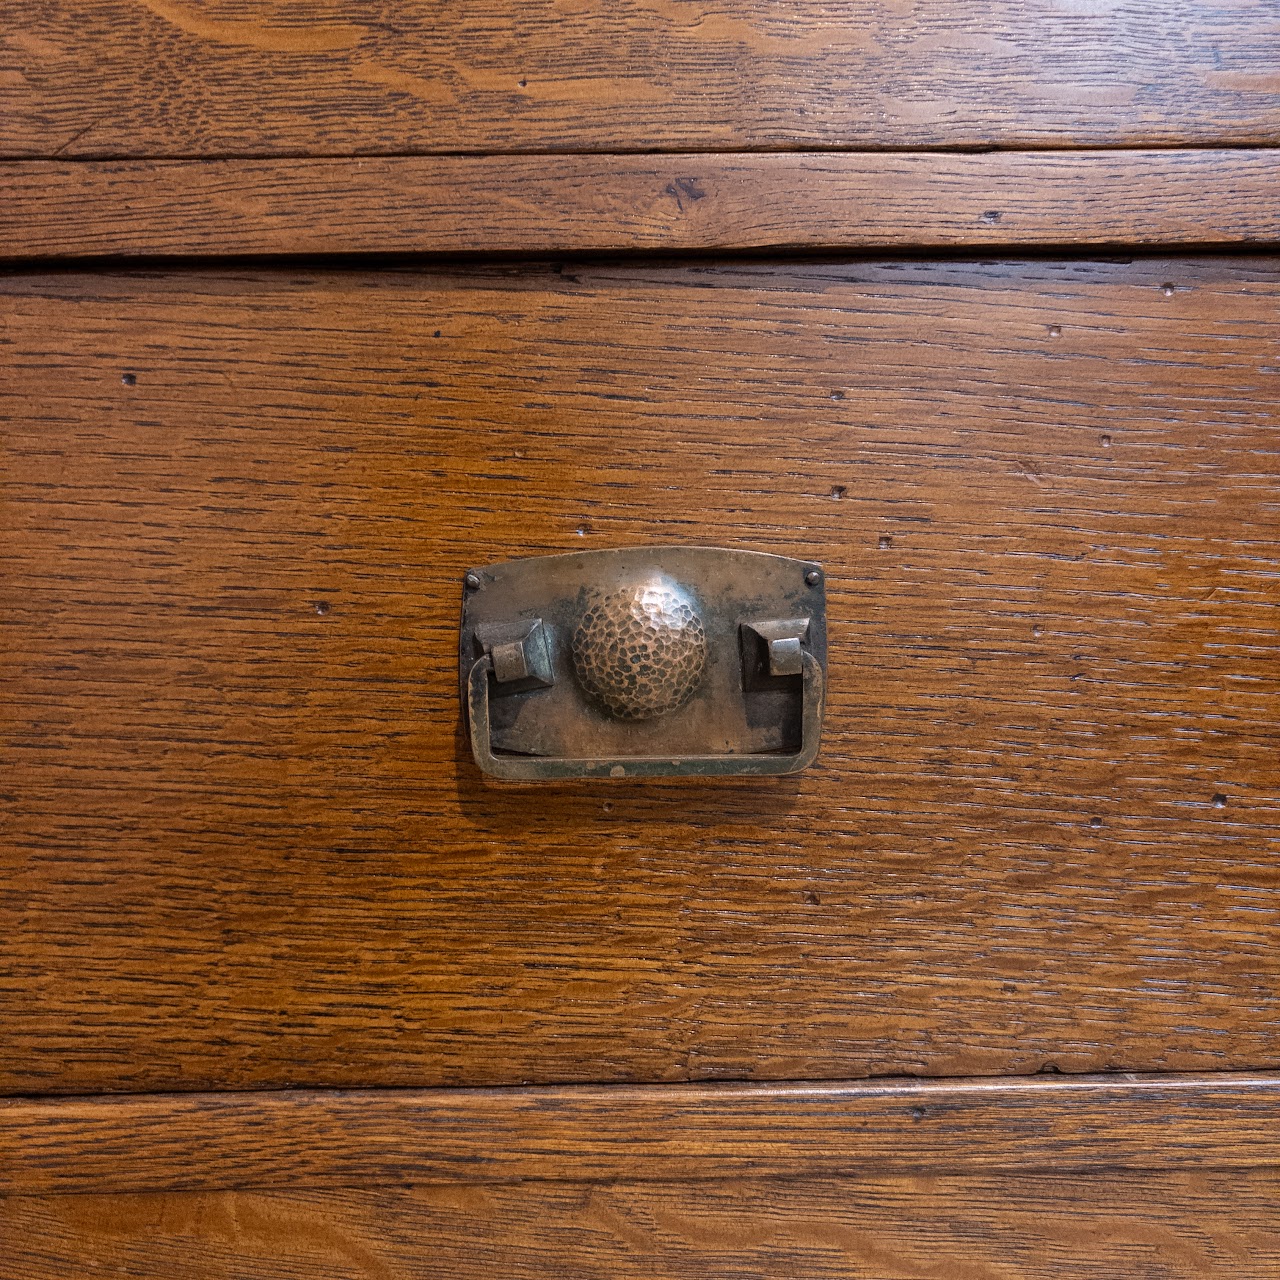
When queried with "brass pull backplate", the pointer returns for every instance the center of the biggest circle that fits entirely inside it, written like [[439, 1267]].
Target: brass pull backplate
[[644, 661]]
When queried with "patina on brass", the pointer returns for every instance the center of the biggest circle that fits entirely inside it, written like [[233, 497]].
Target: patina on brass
[[641, 651], [644, 661]]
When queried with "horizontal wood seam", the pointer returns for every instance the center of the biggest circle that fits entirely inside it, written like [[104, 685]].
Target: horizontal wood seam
[[1030, 147]]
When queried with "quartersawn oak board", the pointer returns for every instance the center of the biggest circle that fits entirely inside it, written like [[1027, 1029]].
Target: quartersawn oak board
[[244, 844], [176, 78], [290, 1138], [586, 203], [1179, 1226]]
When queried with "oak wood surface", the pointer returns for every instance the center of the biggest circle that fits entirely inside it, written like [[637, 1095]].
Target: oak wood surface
[[298, 1138], [244, 845], [1202, 1225], [177, 78], [551, 204]]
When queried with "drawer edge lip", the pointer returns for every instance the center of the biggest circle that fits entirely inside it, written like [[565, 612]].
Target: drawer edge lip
[[663, 1132], [694, 202]]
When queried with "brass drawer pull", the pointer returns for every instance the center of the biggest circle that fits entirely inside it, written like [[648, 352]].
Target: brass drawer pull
[[644, 661]]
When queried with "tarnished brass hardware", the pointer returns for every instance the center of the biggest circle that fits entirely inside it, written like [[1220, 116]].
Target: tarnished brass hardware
[[644, 661], [519, 655], [773, 648], [640, 651]]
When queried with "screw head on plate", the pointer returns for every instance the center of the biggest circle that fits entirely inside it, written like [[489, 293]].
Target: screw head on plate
[[641, 651]]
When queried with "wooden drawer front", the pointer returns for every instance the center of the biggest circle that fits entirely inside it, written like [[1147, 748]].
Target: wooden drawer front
[[246, 846]]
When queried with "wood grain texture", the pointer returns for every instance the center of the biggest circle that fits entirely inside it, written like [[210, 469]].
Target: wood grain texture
[[173, 78], [554, 204], [1176, 1226], [660, 1132], [244, 845]]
